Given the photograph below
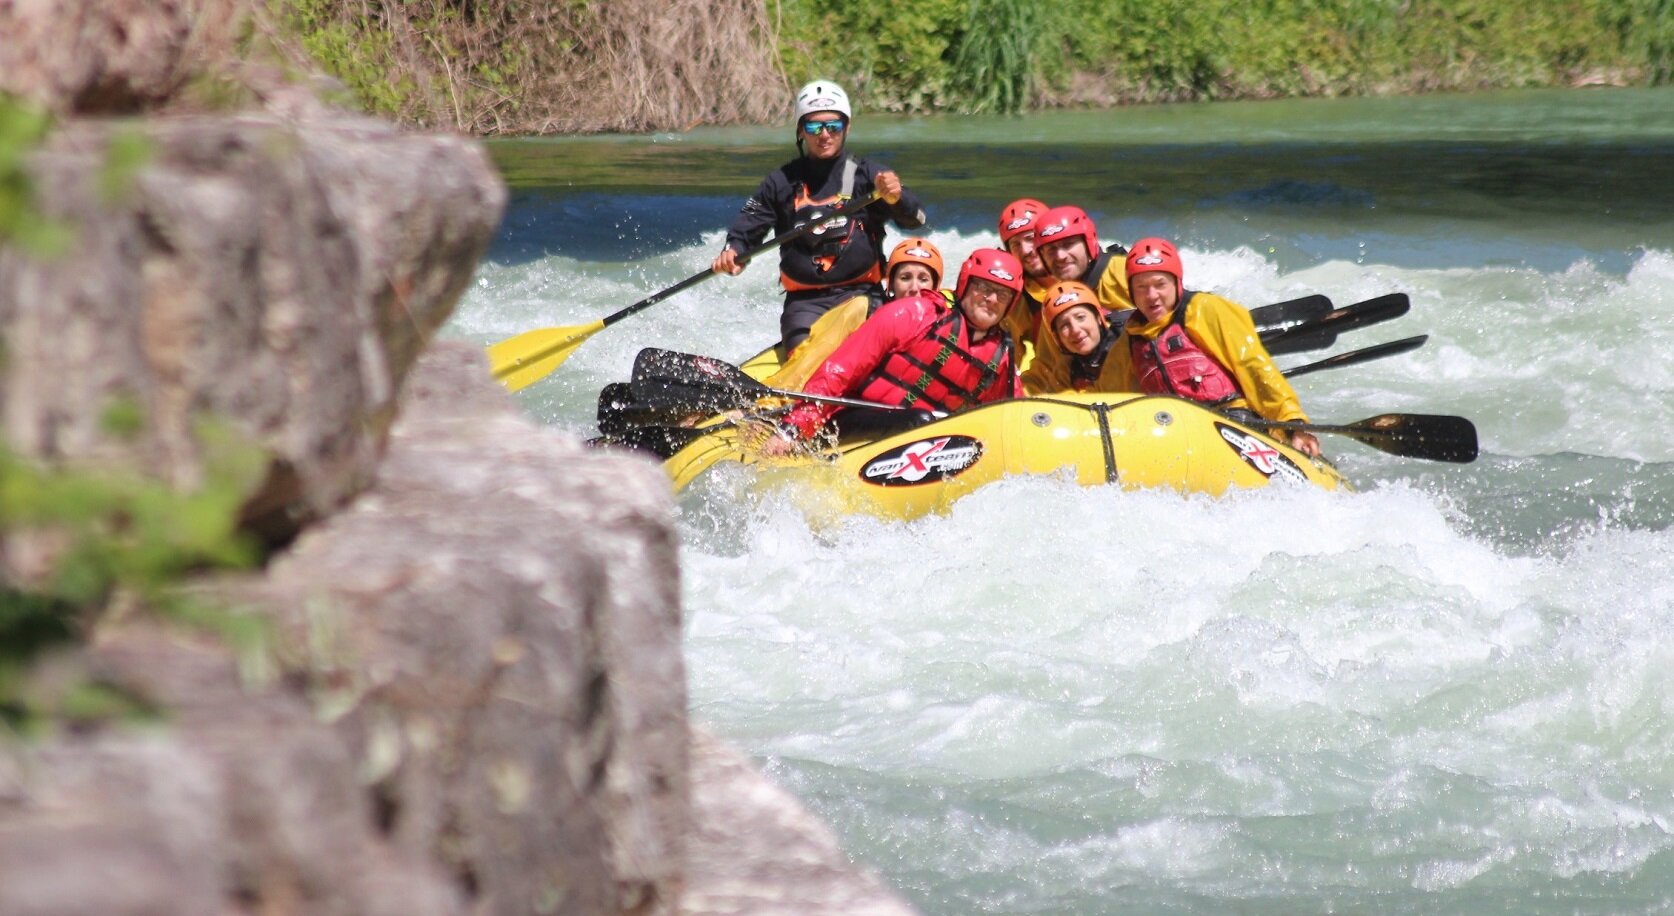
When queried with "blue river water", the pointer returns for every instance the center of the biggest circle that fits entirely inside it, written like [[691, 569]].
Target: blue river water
[[1446, 692]]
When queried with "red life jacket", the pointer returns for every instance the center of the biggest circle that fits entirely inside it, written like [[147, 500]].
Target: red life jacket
[[838, 253], [942, 370], [1173, 363]]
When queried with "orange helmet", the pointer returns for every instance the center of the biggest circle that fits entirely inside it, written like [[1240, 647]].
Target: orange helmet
[[916, 251], [1019, 217], [1061, 223], [1061, 297], [994, 265], [1156, 254]]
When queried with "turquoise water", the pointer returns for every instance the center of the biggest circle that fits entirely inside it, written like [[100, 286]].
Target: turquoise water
[[1448, 692]]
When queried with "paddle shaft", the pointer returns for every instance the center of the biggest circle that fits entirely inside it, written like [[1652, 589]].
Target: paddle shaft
[[528, 357], [1365, 354], [788, 236]]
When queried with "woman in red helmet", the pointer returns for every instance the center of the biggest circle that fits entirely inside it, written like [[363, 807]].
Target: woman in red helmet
[[915, 266], [916, 352], [1199, 346]]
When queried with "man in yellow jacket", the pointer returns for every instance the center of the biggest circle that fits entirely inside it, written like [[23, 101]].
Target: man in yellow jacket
[[1069, 244], [1193, 345], [1198, 346]]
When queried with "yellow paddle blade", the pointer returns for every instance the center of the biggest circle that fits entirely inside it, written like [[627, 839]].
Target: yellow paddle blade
[[521, 361]]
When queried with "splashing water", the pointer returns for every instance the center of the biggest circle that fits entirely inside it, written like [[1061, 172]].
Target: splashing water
[[1447, 692]]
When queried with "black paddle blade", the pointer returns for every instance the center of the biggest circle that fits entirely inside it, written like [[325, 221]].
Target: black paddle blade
[[1322, 331], [690, 400], [693, 370], [1282, 316], [621, 409], [618, 410], [692, 384], [1414, 435]]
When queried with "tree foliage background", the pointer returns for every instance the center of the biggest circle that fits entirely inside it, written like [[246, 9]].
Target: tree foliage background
[[544, 66]]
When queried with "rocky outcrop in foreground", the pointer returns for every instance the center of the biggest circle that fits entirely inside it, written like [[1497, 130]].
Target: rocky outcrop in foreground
[[478, 706], [471, 696]]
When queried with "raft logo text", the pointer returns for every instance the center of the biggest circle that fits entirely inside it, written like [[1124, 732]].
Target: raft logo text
[[924, 461]]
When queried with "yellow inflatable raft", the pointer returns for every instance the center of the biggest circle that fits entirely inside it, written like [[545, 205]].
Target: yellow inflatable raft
[[1125, 439]]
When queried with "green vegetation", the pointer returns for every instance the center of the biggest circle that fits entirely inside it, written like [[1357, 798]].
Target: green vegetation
[[496, 66], [21, 130], [120, 541], [1010, 55], [360, 51], [493, 66]]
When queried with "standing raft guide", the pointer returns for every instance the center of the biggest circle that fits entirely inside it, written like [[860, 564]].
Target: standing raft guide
[[1049, 354]]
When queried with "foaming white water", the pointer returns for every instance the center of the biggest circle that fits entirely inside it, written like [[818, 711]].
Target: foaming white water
[[1069, 700], [995, 589], [1105, 691]]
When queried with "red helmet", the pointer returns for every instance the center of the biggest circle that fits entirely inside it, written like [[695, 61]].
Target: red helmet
[[1019, 217], [1156, 254], [1061, 223], [994, 265], [916, 251], [1061, 297]]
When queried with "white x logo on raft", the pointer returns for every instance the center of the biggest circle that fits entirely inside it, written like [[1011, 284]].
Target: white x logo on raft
[[926, 459], [1149, 259], [1002, 273], [1261, 456]]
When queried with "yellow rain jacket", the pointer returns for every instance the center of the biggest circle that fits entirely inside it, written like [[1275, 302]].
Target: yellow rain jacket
[[1224, 330]]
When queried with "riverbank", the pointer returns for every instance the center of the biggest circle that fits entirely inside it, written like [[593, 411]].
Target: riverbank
[[495, 67]]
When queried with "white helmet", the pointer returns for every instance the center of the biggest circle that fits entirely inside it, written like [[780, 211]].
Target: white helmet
[[822, 95]]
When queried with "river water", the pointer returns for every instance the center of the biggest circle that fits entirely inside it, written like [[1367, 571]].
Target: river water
[[1449, 692]]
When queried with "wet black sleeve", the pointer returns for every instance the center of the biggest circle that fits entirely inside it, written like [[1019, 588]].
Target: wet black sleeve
[[760, 212]]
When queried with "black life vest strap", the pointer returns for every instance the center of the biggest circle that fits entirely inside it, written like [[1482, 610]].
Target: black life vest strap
[[1087, 368], [989, 371]]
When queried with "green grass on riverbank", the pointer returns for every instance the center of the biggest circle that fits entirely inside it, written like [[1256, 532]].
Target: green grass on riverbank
[[498, 66], [1003, 55]]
